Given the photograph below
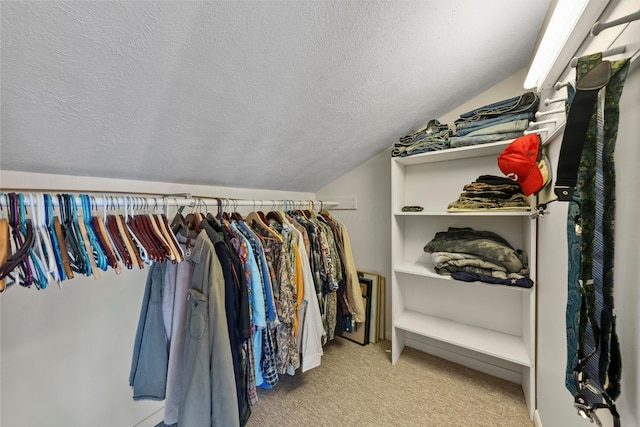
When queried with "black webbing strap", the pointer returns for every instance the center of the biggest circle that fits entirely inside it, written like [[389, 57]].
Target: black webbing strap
[[575, 131]]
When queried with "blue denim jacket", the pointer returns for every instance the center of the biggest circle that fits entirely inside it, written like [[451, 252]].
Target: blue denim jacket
[[148, 375]]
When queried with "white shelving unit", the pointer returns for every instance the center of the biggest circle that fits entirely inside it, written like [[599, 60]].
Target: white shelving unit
[[486, 326]]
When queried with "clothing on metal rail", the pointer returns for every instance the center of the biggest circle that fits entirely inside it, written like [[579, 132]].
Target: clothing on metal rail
[[257, 298], [41, 245]]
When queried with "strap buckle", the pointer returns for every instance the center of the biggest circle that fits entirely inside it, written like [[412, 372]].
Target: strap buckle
[[564, 192], [588, 410]]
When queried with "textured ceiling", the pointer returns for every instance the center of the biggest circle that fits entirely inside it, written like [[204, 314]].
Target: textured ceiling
[[285, 95]]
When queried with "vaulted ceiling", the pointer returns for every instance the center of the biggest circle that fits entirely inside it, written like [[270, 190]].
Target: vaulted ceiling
[[285, 95]]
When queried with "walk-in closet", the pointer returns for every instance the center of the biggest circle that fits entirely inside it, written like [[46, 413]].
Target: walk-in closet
[[292, 213]]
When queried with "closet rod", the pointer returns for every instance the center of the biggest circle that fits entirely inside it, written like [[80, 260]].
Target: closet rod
[[548, 112], [542, 122], [553, 101], [540, 130], [610, 52], [599, 26], [119, 201], [559, 85]]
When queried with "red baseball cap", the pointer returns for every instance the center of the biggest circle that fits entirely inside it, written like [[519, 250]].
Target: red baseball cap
[[522, 162]]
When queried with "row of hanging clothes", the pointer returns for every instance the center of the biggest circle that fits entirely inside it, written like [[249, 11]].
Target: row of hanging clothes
[[230, 303], [41, 245], [255, 298]]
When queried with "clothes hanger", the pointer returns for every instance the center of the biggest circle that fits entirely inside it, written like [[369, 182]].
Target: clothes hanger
[[75, 226], [45, 237], [101, 252], [55, 244], [116, 239], [172, 238], [103, 225], [130, 244], [324, 211], [15, 262], [275, 216], [138, 237], [173, 253], [99, 225], [235, 215], [222, 216], [179, 226], [19, 234], [77, 260], [59, 231], [191, 220], [41, 276], [178, 221], [18, 271], [94, 250], [40, 279], [30, 261], [88, 249], [199, 214], [5, 245], [9, 246], [308, 212], [140, 227], [114, 235], [254, 218], [40, 249], [213, 220], [132, 247], [159, 238], [125, 239]]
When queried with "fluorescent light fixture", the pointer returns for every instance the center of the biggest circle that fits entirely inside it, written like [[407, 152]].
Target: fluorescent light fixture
[[562, 26]]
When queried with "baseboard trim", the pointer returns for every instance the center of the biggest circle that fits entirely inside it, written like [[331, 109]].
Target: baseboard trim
[[152, 420], [536, 419], [466, 359]]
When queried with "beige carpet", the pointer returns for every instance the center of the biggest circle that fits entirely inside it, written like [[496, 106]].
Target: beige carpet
[[357, 386]]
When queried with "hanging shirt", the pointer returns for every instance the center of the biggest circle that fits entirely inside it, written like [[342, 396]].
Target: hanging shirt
[[232, 302], [148, 375], [174, 303], [311, 332], [354, 292], [258, 316], [208, 377]]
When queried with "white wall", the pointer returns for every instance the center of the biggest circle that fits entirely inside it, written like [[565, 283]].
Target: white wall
[[65, 354], [369, 226]]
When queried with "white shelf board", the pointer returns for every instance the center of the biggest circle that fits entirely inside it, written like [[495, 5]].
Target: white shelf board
[[427, 270], [420, 269], [465, 213], [497, 344], [488, 149]]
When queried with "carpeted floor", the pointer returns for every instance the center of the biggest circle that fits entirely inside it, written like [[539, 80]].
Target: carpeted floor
[[357, 386]]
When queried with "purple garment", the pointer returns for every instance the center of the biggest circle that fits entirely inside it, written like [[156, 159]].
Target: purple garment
[[474, 277]]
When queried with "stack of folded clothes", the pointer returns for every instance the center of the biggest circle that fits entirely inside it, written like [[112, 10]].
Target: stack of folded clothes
[[500, 121], [489, 192], [473, 255], [435, 136]]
